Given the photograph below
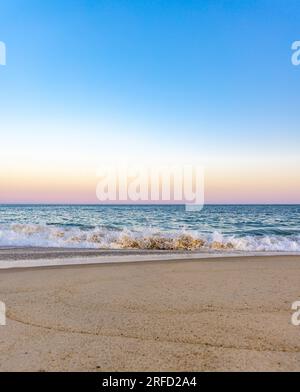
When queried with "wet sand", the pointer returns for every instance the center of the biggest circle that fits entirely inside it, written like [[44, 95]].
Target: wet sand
[[229, 313]]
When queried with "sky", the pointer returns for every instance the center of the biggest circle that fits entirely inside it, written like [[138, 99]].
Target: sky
[[182, 81]]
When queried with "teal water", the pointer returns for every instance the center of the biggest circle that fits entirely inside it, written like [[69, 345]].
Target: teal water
[[242, 227]]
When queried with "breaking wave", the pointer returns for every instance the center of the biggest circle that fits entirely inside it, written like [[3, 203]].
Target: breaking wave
[[33, 235]]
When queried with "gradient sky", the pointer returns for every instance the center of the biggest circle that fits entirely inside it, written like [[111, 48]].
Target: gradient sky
[[93, 81]]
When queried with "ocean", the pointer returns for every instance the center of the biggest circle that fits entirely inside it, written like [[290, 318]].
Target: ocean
[[169, 227]]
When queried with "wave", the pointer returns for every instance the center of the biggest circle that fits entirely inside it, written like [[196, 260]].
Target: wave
[[30, 235]]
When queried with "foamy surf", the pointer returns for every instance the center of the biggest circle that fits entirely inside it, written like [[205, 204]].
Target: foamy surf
[[36, 235]]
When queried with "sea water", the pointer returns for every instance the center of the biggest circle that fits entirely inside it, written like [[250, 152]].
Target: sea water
[[169, 227]]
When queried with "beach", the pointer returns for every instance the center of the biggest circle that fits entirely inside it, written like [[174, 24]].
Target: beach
[[186, 314], [149, 188]]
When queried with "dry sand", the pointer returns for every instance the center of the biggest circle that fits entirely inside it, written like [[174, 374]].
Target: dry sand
[[216, 314]]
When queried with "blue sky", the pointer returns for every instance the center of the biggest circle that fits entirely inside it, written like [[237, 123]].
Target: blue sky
[[195, 78]]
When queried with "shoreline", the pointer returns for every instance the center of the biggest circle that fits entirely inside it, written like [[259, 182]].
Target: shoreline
[[21, 257]]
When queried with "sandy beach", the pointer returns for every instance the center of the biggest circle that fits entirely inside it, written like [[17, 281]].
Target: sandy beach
[[213, 314]]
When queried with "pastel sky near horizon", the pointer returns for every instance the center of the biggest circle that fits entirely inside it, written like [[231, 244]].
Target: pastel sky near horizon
[[95, 81]]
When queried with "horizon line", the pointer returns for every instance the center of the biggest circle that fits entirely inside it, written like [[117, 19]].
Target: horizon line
[[145, 204]]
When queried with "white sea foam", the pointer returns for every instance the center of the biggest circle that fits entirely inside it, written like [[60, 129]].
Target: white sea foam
[[30, 235]]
